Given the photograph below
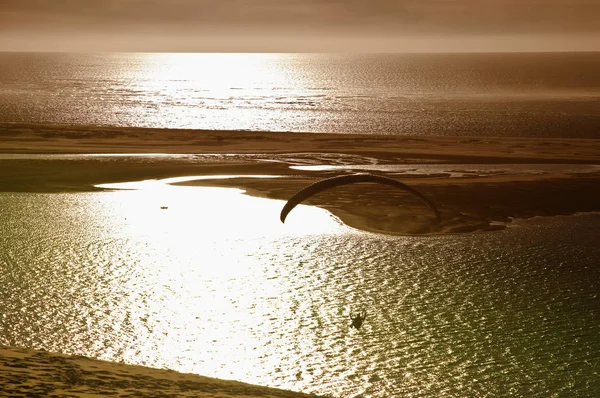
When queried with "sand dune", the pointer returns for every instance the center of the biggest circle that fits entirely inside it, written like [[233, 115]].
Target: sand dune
[[29, 373]]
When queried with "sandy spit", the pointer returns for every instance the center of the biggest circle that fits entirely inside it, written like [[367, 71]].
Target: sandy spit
[[467, 204]]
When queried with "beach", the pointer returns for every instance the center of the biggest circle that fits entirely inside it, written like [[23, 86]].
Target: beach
[[468, 200]]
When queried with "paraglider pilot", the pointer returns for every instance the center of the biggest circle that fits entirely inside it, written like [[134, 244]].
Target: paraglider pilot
[[358, 319]]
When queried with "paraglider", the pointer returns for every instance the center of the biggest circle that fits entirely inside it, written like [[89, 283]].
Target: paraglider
[[351, 179], [358, 319]]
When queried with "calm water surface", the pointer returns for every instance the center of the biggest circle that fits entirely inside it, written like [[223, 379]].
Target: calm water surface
[[215, 284], [537, 94]]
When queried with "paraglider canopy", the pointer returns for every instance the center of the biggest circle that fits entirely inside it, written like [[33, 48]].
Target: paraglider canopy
[[332, 182]]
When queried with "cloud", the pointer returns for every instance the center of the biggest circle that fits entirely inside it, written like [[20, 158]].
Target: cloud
[[297, 18], [420, 15]]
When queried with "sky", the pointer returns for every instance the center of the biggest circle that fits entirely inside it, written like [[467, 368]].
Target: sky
[[300, 25]]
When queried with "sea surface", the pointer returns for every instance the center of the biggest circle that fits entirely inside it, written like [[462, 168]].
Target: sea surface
[[492, 94], [208, 281]]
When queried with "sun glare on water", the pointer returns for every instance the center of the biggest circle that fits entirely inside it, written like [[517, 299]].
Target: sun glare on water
[[202, 84], [201, 247], [199, 214]]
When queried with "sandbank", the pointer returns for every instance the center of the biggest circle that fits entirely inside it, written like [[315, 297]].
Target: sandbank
[[472, 202]]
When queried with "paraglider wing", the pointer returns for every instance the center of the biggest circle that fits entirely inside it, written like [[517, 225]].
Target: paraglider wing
[[351, 179]]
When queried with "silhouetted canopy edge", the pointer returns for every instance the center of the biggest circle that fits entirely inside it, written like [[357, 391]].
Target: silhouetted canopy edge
[[332, 182]]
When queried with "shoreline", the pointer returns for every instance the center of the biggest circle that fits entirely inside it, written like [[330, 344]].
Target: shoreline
[[25, 372], [466, 206], [470, 203]]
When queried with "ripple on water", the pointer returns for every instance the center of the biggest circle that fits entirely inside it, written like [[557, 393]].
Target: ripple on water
[[231, 294]]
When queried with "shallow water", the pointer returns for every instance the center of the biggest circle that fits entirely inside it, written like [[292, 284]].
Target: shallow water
[[207, 280]]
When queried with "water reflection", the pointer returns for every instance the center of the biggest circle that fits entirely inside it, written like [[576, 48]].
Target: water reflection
[[216, 285], [209, 213]]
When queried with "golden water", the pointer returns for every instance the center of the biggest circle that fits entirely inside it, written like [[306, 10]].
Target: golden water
[[215, 284]]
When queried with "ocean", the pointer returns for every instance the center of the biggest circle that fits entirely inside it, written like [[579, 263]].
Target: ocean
[[216, 285], [208, 281], [495, 94]]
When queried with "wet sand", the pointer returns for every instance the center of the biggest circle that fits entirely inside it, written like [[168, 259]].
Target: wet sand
[[472, 202], [29, 373]]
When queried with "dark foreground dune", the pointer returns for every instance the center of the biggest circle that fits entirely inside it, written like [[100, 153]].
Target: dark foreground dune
[[29, 373], [468, 203]]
